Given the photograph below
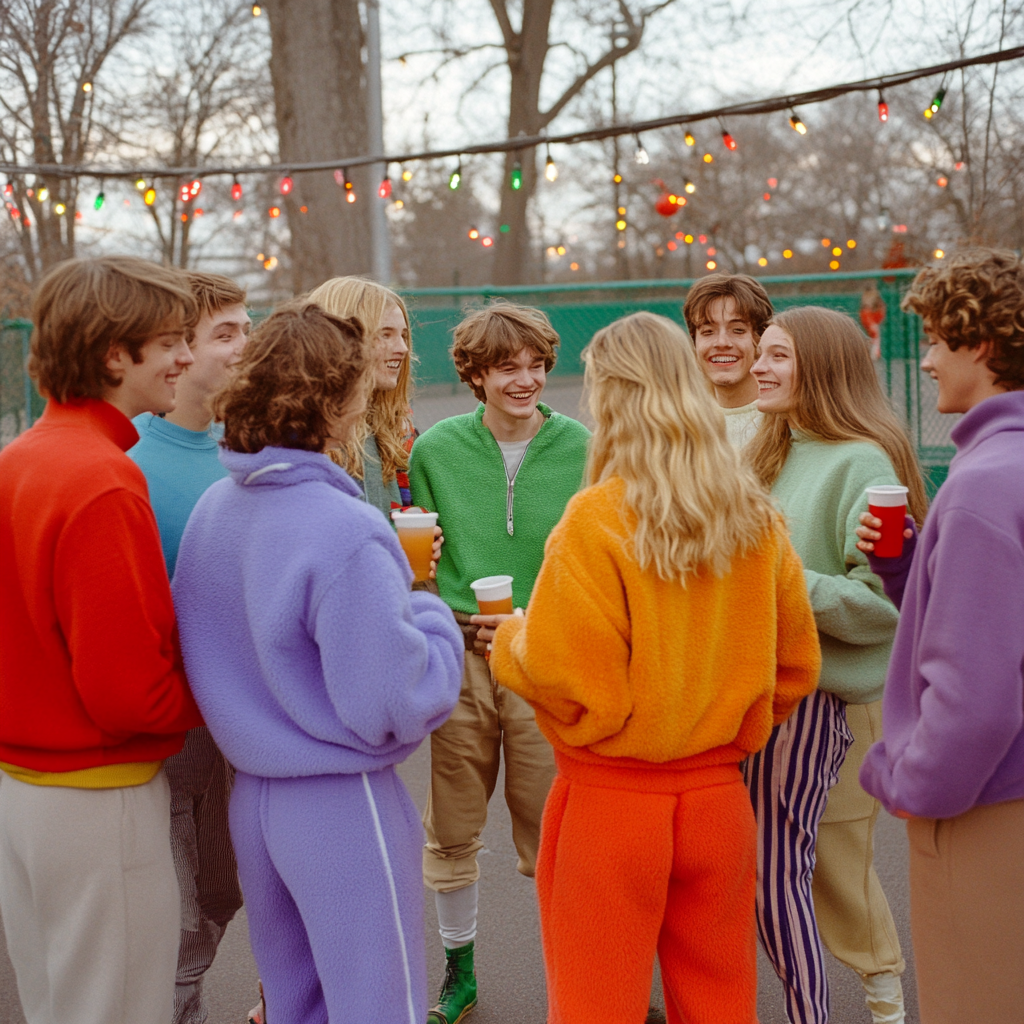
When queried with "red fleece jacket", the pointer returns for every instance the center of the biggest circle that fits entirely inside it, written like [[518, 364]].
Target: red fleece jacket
[[90, 671]]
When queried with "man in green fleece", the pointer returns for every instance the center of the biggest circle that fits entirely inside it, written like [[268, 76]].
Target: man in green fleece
[[499, 479]]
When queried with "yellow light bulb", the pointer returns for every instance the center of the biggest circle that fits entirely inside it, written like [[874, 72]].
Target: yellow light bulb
[[787, 254], [43, 194], [834, 264], [406, 175], [708, 158], [620, 225], [837, 251], [60, 209], [762, 262]]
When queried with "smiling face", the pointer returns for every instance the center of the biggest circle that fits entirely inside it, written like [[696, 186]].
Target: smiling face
[[149, 385], [216, 347], [726, 350], [962, 374], [512, 388], [391, 349], [775, 371]]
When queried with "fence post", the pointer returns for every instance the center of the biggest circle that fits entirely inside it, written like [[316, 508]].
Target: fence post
[[28, 379]]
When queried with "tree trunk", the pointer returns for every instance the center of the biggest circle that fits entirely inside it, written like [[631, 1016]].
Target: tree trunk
[[514, 261], [316, 69]]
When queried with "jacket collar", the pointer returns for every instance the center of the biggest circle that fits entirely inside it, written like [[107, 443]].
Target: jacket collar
[[993, 416], [285, 467], [91, 414]]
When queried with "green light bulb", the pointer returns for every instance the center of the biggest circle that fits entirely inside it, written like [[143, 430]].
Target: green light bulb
[[517, 177], [99, 201], [455, 180]]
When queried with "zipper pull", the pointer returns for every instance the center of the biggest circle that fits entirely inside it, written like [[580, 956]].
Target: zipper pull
[[508, 511]]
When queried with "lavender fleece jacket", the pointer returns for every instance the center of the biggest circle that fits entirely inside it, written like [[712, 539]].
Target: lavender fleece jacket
[[304, 647], [953, 711]]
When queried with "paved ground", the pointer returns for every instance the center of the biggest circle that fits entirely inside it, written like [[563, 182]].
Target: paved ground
[[509, 961]]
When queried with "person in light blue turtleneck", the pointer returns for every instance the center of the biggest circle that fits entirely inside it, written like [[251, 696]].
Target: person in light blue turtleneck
[[178, 455]]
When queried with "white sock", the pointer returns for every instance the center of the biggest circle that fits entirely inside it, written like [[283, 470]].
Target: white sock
[[456, 915]]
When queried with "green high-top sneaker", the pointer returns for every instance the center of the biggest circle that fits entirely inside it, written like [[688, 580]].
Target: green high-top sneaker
[[458, 991]]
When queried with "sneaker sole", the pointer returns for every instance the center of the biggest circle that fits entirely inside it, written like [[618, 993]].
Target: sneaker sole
[[440, 1018]]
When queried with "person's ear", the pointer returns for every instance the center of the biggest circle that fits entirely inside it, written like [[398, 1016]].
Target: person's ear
[[116, 360], [983, 353]]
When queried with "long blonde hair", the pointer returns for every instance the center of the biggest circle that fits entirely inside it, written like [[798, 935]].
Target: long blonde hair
[[659, 430], [387, 414], [837, 398]]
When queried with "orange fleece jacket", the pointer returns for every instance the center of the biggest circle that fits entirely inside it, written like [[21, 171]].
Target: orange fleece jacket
[[621, 664], [90, 671]]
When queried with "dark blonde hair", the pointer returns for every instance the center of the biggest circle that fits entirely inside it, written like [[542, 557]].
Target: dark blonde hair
[[83, 308], [661, 432], [837, 398], [299, 373], [752, 302], [387, 416], [973, 297], [214, 292], [492, 335]]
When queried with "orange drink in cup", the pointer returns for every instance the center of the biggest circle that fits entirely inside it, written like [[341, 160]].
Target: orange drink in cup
[[416, 535], [493, 595]]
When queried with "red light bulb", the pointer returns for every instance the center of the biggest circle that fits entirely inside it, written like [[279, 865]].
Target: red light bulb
[[236, 191], [730, 142], [385, 189], [883, 110], [286, 185]]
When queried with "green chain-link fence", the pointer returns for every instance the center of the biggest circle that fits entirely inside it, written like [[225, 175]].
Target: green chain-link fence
[[578, 310]]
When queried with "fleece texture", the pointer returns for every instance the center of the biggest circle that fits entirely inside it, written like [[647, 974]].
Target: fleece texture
[[91, 675], [457, 470], [301, 639], [179, 465], [620, 664], [821, 492], [953, 712], [332, 940], [634, 862]]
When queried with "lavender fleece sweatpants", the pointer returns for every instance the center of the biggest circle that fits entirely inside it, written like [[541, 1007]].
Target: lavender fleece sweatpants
[[331, 872]]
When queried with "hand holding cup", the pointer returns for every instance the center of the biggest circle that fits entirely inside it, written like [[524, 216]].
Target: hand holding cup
[[870, 533]]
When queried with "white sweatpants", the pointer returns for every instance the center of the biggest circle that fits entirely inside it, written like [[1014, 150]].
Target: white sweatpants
[[90, 901]]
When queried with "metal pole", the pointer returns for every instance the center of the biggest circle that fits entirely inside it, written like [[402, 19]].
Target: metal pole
[[380, 238]]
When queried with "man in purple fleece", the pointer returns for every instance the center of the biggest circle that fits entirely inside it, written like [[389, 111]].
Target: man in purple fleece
[[951, 760], [317, 671]]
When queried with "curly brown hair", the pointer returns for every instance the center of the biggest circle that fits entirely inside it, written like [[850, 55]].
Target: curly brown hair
[[83, 308], [492, 335], [298, 376], [752, 302], [973, 297]]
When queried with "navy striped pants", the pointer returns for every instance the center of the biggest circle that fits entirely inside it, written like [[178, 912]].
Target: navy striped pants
[[789, 782]]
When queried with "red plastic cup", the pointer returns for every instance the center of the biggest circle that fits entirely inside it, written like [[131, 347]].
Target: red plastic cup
[[888, 502]]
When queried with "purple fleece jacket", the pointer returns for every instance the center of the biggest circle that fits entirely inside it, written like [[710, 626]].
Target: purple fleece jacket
[[953, 710], [304, 647]]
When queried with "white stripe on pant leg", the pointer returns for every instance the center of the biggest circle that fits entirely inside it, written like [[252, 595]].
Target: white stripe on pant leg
[[394, 897]]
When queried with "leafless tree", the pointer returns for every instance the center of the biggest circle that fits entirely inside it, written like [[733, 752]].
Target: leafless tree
[[52, 54]]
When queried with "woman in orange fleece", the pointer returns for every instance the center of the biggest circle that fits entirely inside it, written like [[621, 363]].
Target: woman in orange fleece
[[668, 631]]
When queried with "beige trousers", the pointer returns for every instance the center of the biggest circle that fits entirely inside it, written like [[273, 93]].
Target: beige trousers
[[967, 915], [464, 758], [854, 919], [90, 901]]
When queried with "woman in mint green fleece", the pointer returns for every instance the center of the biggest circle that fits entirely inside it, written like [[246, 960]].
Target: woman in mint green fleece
[[828, 434]]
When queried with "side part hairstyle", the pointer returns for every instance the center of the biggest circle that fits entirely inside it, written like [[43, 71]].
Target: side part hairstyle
[[837, 398], [659, 430], [972, 297], [299, 374], [493, 335], [83, 308], [752, 302], [214, 292], [387, 416]]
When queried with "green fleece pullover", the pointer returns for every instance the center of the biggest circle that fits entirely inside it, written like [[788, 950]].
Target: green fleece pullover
[[492, 526], [821, 492]]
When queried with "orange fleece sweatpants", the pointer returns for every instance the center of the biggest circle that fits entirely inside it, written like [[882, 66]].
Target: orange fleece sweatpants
[[635, 861]]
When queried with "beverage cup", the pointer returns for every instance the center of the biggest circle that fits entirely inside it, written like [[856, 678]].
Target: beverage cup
[[888, 502], [416, 535], [493, 595]]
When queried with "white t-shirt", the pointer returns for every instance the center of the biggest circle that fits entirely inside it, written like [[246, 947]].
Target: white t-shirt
[[512, 452], [741, 424]]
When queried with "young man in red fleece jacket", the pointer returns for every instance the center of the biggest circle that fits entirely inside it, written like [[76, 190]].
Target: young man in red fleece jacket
[[92, 692]]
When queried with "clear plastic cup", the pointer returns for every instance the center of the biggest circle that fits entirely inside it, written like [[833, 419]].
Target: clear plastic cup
[[493, 595], [416, 535]]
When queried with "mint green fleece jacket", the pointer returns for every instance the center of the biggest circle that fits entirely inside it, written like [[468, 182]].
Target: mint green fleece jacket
[[821, 492], [457, 471]]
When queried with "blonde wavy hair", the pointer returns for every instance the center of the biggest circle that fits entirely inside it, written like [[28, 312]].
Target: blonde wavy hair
[[660, 431], [837, 398], [387, 415]]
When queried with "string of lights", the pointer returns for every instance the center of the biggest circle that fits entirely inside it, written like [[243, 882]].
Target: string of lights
[[635, 128]]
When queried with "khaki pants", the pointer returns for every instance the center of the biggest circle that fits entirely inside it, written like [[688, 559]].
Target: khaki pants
[[967, 915], [90, 901], [464, 757], [854, 919]]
